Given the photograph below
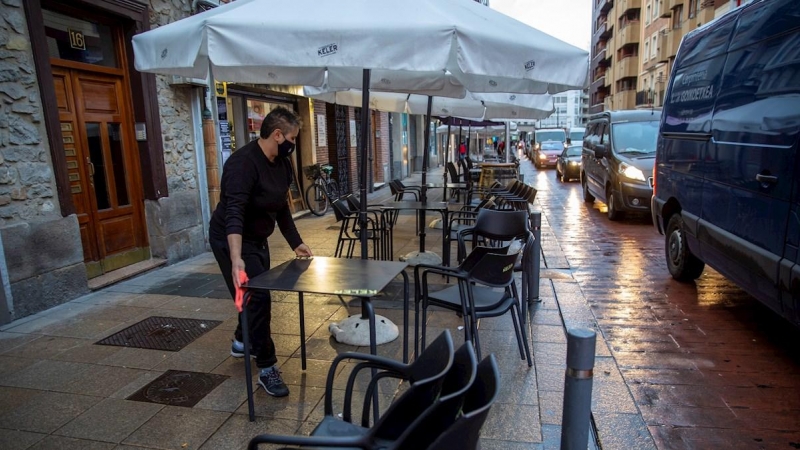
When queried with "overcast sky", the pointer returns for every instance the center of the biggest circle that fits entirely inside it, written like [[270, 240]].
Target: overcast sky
[[568, 20]]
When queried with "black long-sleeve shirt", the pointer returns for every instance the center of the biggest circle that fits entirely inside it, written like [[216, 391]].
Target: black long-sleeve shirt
[[253, 197]]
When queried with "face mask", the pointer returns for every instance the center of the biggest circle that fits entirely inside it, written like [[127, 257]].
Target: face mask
[[285, 148]]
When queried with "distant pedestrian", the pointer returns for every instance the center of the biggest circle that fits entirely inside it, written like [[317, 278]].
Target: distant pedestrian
[[462, 150]]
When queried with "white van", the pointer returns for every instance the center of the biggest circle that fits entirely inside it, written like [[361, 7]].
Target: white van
[[575, 136]]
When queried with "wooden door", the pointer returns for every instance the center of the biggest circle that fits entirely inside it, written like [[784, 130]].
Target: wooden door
[[103, 167]]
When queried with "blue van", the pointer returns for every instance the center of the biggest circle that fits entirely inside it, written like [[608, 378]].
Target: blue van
[[727, 172]]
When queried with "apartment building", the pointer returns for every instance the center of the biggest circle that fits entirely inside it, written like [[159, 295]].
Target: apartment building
[[569, 110], [634, 43]]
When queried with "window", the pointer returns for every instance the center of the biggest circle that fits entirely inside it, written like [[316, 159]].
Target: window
[[655, 46], [677, 13], [647, 50], [655, 9], [647, 14]]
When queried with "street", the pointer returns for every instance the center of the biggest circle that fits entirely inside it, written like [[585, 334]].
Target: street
[[708, 365]]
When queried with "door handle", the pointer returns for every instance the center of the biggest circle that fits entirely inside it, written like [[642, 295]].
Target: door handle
[[91, 171], [766, 179]]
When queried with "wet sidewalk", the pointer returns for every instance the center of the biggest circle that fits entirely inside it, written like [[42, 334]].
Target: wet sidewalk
[[60, 389]]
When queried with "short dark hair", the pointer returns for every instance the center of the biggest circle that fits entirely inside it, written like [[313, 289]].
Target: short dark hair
[[282, 118]]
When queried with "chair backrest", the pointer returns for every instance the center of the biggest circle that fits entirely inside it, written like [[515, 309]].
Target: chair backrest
[[480, 397], [452, 172], [447, 408], [353, 202], [494, 269], [469, 162], [500, 224], [428, 376], [340, 209]]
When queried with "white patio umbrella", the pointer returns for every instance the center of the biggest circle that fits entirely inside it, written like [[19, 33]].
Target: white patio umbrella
[[407, 46]]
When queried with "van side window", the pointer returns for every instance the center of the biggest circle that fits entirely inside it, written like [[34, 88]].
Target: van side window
[[758, 103]]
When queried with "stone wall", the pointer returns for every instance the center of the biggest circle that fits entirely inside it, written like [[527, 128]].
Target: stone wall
[[175, 223], [43, 252], [27, 183]]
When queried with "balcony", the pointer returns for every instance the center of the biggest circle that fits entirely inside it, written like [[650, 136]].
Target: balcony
[[598, 83], [625, 100], [672, 4], [629, 34], [674, 41], [604, 5], [598, 108], [626, 5], [628, 67], [665, 11], [644, 98], [609, 79], [664, 44], [600, 31], [705, 15], [599, 57]]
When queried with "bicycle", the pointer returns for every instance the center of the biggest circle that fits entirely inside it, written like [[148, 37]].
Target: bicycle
[[324, 189]]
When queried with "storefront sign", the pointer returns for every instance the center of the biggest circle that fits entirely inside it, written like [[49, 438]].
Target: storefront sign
[[322, 131]]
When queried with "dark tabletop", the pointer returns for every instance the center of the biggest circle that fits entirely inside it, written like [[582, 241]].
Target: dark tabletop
[[448, 185], [323, 275]]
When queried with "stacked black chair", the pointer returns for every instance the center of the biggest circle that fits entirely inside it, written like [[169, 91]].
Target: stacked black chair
[[476, 294], [383, 224], [350, 231]]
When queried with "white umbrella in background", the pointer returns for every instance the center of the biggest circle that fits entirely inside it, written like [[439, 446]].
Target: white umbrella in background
[[408, 46]]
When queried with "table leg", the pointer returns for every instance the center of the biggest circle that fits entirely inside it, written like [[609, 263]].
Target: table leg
[[302, 332], [405, 318], [248, 374], [367, 310], [421, 220]]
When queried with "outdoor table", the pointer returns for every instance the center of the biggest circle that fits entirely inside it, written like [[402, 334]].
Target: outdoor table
[[441, 207], [361, 278]]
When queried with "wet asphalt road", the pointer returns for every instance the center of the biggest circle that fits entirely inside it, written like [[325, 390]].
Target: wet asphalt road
[[708, 365]]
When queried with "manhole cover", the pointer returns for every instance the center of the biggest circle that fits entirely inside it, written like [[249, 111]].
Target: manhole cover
[[178, 388], [161, 333]]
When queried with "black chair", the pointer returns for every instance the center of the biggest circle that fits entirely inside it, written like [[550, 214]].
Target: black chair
[[480, 397], [493, 227], [381, 220], [426, 376], [350, 231], [460, 220], [475, 295], [399, 190]]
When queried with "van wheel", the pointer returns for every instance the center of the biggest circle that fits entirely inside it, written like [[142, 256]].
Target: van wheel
[[558, 175], [613, 210], [682, 264], [587, 197]]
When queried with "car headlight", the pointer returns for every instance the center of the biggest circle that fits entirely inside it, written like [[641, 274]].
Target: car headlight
[[537, 146], [573, 163], [631, 172], [542, 156]]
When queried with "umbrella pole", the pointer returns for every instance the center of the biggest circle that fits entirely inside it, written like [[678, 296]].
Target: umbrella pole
[[362, 181], [447, 153], [424, 191]]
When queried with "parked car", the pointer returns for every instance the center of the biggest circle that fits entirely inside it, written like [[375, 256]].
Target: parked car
[[548, 152], [727, 178], [617, 160], [568, 165]]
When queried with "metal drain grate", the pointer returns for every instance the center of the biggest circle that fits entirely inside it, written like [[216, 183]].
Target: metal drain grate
[[161, 333], [178, 388]]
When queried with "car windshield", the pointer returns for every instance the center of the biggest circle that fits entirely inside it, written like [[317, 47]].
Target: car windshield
[[574, 151], [635, 137], [552, 145], [576, 136], [554, 135]]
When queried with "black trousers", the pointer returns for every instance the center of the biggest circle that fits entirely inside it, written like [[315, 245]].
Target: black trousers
[[259, 310]]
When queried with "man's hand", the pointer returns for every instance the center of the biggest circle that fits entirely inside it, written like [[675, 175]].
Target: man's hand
[[303, 250], [237, 266]]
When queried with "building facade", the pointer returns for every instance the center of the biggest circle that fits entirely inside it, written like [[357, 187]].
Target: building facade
[[570, 110], [105, 171], [634, 43]]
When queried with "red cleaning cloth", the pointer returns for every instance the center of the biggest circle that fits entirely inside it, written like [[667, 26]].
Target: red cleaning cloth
[[239, 300]]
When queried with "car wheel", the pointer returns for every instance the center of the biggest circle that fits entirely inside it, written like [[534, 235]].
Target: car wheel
[[613, 210], [587, 196], [558, 175], [681, 262]]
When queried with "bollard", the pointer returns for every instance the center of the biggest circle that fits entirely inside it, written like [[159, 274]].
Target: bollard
[[578, 389], [533, 282]]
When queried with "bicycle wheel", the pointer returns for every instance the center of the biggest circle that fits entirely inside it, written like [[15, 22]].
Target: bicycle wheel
[[316, 200], [333, 190]]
